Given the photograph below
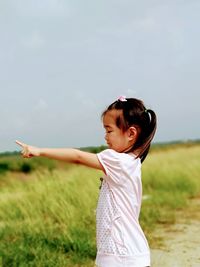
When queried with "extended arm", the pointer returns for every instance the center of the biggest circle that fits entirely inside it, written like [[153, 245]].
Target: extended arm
[[63, 154]]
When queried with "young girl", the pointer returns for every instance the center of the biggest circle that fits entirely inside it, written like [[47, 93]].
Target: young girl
[[130, 128]]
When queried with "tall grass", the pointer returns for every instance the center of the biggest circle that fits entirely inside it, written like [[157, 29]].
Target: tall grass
[[48, 217], [170, 179]]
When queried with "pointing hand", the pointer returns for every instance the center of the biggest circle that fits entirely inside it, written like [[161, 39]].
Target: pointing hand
[[28, 151]]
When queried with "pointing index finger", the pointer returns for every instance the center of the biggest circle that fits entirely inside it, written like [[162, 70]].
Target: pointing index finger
[[20, 143]]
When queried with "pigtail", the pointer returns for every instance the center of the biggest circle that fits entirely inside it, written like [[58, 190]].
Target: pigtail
[[148, 134]]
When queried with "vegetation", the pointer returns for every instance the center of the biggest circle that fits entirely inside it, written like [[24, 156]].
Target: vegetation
[[47, 208]]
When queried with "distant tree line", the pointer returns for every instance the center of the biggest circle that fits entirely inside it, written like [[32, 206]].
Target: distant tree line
[[12, 161]]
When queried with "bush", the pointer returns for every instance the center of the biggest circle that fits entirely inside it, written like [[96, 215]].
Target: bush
[[4, 166], [26, 167]]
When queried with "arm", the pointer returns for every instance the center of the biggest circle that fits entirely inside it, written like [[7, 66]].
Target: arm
[[64, 154]]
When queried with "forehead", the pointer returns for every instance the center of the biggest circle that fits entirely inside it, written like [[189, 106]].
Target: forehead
[[110, 117]]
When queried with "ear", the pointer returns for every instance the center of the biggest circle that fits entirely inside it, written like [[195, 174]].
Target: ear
[[132, 133]]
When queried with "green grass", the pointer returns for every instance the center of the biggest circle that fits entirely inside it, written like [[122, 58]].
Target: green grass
[[47, 217], [49, 220], [170, 179]]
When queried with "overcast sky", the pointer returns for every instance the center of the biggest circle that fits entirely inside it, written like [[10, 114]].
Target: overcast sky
[[62, 62]]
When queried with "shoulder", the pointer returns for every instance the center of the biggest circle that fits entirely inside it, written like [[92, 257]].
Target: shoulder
[[117, 156], [113, 161], [109, 152], [110, 155]]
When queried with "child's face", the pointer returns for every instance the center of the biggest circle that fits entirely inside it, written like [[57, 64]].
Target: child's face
[[116, 139]]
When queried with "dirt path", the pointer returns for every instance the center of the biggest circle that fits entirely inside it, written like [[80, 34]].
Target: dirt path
[[181, 242]]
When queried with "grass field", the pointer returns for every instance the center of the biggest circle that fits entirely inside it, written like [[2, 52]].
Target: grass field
[[47, 212]]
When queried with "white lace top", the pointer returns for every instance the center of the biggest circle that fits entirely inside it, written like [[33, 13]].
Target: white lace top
[[120, 239]]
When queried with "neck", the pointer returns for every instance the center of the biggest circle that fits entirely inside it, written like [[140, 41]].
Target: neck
[[131, 150]]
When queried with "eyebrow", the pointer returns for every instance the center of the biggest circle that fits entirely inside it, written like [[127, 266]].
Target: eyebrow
[[107, 126]]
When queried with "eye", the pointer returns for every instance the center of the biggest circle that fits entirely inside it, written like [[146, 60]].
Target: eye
[[109, 131]]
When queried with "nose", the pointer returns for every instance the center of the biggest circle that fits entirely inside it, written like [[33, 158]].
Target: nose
[[106, 137]]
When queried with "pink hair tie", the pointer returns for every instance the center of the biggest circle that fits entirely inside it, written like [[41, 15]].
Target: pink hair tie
[[122, 98]]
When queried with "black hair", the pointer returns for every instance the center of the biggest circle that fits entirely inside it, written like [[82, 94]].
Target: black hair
[[134, 113]]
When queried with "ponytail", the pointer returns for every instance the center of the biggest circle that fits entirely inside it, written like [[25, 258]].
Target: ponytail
[[147, 135]]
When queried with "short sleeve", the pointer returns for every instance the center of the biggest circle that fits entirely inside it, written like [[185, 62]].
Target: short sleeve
[[111, 162]]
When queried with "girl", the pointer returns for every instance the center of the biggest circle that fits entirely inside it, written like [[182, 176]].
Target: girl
[[130, 128]]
